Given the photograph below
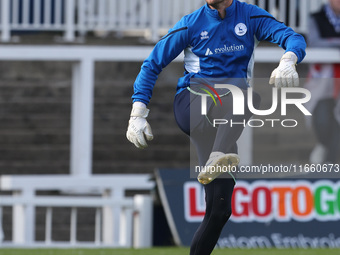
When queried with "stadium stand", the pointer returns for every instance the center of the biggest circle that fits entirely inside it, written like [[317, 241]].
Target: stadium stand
[[36, 97]]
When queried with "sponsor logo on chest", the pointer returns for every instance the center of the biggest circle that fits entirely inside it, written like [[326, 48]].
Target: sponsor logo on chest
[[225, 49]]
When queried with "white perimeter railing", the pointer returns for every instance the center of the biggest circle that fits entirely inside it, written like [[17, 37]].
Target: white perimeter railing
[[148, 18], [120, 221], [115, 228]]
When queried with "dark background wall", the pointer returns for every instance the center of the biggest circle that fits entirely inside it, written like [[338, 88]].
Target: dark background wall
[[35, 104], [35, 100]]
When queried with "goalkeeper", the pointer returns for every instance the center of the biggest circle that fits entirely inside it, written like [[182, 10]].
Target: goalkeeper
[[218, 42]]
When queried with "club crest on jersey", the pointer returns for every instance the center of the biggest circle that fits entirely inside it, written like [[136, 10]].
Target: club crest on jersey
[[241, 29], [204, 35]]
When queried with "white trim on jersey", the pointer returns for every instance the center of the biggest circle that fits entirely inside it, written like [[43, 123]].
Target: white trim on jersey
[[191, 61], [250, 68]]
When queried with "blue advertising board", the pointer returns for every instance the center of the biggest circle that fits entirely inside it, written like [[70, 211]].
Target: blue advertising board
[[273, 213]]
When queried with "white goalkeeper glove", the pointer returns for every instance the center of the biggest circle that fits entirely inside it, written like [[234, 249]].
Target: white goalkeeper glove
[[285, 74], [139, 129]]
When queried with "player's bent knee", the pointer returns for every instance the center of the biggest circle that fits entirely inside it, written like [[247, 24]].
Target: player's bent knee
[[256, 100]]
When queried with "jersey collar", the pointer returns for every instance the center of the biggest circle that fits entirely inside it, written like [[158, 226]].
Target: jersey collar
[[214, 13]]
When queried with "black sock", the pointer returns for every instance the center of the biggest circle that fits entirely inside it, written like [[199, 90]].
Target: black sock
[[218, 196]]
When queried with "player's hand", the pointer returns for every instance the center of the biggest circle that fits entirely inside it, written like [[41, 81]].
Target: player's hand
[[285, 74], [139, 129]]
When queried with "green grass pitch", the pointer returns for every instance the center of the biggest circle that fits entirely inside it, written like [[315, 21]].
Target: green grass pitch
[[166, 251]]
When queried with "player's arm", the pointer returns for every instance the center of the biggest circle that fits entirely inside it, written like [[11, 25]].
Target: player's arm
[[166, 50], [267, 28]]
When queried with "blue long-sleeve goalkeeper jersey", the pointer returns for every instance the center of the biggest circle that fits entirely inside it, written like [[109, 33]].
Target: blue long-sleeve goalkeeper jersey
[[215, 47]]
